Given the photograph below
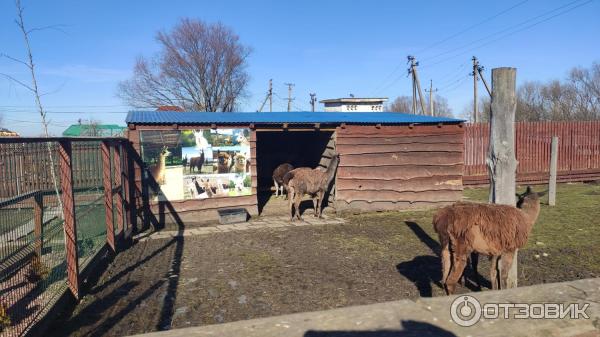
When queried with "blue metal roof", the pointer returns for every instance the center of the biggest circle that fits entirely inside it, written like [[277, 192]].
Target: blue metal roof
[[242, 118]]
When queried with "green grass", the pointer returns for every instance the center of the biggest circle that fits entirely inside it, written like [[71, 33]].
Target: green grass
[[574, 221], [562, 245]]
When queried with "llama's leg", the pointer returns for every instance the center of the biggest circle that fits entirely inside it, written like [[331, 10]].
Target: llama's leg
[[297, 201], [315, 201], [320, 211], [506, 261], [494, 272], [276, 188], [474, 263], [445, 256], [291, 203], [459, 261]]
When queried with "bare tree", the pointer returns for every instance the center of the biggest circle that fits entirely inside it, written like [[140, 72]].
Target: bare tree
[[484, 107], [200, 67], [440, 106], [91, 129], [400, 104], [34, 88]]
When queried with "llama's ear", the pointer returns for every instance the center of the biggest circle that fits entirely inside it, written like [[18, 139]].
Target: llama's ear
[[528, 190]]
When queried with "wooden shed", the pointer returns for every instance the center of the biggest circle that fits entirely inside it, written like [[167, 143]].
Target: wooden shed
[[388, 161]]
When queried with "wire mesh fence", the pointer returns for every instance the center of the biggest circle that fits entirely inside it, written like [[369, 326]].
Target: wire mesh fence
[[38, 215]]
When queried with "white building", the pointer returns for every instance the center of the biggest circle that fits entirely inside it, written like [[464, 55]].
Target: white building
[[352, 104]]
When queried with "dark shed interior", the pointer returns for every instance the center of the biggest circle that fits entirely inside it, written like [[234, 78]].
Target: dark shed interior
[[299, 148]]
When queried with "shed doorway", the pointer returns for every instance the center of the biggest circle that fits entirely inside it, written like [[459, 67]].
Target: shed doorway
[[312, 148]]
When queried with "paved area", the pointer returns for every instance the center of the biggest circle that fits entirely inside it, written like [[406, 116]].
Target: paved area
[[423, 317], [262, 222]]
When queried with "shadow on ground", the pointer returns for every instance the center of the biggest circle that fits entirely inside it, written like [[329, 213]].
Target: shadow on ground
[[410, 329], [425, 270]]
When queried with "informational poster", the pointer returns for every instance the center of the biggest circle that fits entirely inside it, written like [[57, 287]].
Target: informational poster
[[198, 163]]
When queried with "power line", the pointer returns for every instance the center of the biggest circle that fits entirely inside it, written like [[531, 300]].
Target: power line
[[449, 38], [508, 30], [471, 27]]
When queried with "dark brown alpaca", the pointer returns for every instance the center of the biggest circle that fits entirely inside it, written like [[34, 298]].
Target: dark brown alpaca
[[314, 182], [489, 229], [278, 174]]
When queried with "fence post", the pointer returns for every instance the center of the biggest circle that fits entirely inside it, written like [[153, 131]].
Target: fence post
[[131, 192], [502, 163], [553, 168], [118, 182], [108, 205], [70, 225], [38, 216]]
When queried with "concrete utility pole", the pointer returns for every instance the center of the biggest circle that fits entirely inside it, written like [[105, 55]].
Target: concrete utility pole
[[290, 99], [474, 73], [269, 97], [501, 161], [313, 100], [431, 91], [553, 168], [487, 87], [415, 78]]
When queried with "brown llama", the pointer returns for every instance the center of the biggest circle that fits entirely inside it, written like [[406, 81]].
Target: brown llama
[[158, 170], [489, 229], [278, 174], [314, 182]]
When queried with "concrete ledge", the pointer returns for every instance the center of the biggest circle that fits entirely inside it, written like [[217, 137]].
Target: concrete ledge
[[423, 317]]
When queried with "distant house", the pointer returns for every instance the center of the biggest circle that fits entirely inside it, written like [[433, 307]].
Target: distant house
[[169, 108], [7, 133], [352, 104], [94, 130]]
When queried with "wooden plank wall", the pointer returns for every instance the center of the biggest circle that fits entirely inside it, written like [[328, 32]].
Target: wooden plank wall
[[578, 151], [398, 167]]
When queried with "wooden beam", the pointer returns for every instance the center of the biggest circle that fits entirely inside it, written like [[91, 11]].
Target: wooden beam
[[502, 162], [70, 220]]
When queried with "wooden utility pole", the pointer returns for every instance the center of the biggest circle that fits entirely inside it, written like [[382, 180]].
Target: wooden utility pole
[[474, 73], [553, 168], [313, 100], [501, 161], [431, 91], [290, 99]]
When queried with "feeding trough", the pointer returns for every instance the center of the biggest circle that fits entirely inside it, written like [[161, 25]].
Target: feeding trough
[[231, 216]]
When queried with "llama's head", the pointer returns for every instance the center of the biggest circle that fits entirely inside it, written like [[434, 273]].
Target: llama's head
[[164, 152], [529, 197], [223, 158], [241, 138], [240, 159]]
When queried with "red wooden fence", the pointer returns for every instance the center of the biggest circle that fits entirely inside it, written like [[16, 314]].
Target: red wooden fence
[[578, 151]]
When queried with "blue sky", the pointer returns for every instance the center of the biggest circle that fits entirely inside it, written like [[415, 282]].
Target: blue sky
[[332, 48]]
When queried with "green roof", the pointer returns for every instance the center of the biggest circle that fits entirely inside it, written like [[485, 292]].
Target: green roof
[[100, 130]]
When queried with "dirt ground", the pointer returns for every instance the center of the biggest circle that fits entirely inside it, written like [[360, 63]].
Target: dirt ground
[[376, 257]]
